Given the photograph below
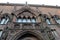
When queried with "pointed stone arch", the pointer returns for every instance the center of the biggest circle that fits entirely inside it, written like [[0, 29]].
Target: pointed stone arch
[[33, 33], [7, 15], [25, 9], [30, 12]]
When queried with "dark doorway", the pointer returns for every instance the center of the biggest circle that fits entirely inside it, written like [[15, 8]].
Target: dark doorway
[[28, 36]]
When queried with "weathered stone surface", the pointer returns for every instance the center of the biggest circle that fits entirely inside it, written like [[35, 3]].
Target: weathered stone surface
[[29, 31]]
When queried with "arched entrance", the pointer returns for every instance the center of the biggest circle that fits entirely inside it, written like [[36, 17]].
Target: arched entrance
[[27, 36]]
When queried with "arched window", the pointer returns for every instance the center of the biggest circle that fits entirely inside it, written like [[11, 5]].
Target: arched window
[[26, 20], [48, 21], [57, 19], [33, 20], [0, 33], [4, 20], [55, 33], [19, 19]]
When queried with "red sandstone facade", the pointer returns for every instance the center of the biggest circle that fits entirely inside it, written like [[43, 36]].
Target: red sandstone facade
[[40, 30]]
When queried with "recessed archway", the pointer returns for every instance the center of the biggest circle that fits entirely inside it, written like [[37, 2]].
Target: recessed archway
[[27, 35]]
